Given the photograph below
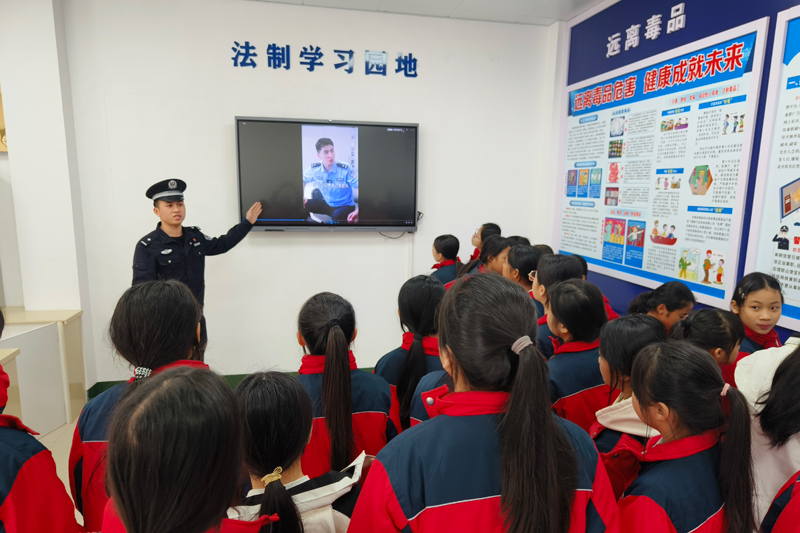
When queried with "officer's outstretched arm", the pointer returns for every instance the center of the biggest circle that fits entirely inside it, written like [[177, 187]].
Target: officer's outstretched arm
[[223, 243]]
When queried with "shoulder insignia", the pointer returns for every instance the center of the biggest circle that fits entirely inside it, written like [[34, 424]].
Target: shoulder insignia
[[342, 165], [143, 243], [167, 251], [207, 237], [315, 165]]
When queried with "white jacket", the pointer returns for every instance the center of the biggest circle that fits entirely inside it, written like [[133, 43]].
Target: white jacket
[[772, 467]]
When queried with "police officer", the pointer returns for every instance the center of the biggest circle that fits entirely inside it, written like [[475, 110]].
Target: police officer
[[336, 185], [179, 252]]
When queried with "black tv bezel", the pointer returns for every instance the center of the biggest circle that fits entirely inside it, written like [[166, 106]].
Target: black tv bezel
[[409, 228]]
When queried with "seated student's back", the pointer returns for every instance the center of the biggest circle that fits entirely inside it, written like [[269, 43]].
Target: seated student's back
[[154, 327], [445, 253], [496, 457], [351, 407], [418, 355], [550, 270]]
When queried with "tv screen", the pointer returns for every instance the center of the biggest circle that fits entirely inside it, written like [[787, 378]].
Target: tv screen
[[326, 175]]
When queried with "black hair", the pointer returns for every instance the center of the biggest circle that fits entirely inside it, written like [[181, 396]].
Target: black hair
[[491, 247], [623, 338], [2, 322], [710, 329], [327, 323], [780, 412], [526, 260], [155, 323], [175, 452], [324, 141], [579, 305], [545, 248], [686, 379], [538, 463], [584, 264], [488, 229], [418, 302], [276, 414], [673, 294], [516, 240], [554, 268], [752, 282], [447, 245]]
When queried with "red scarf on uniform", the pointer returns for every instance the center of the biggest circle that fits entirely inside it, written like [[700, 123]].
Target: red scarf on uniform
[[476, 254], [770, 340], [430, 345], [446, 262]]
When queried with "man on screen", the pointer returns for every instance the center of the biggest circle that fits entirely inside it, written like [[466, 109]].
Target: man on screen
[[335, 186]]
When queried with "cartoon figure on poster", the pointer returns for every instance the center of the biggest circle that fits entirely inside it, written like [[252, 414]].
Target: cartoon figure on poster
[[682, 123], [634, 249], [664, 234], [572, 183], [710, 265], [733, 120], [687, 264], [720, 272], [614, 172], [782, 238], [613, 239], [790, 200], [700, 180], [595, 182], [583, 183], [675, 183]]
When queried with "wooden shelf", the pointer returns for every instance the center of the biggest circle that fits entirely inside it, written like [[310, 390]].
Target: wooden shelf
[[18, 315]]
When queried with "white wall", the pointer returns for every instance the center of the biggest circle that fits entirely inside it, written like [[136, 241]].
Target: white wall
[[155, 93], [9, 249]]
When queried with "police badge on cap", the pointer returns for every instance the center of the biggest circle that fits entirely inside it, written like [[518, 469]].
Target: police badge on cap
[[170, 190]]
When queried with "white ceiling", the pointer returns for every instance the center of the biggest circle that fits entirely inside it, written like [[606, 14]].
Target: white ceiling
[[538, 12]]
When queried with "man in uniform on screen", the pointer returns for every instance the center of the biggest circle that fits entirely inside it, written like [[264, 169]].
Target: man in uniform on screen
[[335, 186]]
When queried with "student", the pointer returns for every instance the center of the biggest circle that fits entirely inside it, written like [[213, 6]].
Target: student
[[758, 301], [618, 434], [276, 412], [495, 458], [403, 367], [27, 472], [770, 380], [576, 314], [516, 240], [717, 331], [550, 270], [669, 303], [612, 315], [690, 479], [445, 253], [481, 235], [521, 264], [545, 248], [155, 327], [784, 513], [174, 457], [351, 407], [493, 255]]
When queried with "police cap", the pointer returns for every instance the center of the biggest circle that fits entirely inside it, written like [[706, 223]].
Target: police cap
[[170, 190]]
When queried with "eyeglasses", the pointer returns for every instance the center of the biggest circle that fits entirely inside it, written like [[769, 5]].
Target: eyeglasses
[[532, 275]]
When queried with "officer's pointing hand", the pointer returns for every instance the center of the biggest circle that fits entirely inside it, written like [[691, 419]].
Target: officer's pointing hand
[[253, 212]]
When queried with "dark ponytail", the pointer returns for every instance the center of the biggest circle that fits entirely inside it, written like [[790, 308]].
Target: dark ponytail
[[327, 322], [447, 245], [539, 466], [276, 413], [526, 260], [673, 294], [710, 329], [780, 413], [418, 301], [579, 306], [686, 379], [491, 247]]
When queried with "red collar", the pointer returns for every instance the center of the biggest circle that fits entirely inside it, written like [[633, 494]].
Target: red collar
[[681, 447], [770, 340], [446, 262], [542, 320], [476, 254], [609, 311], [441, 402], [8, 421], [575, 346], [176, 364], [530, 292], [315, 364], [481, 268], [430, 345]]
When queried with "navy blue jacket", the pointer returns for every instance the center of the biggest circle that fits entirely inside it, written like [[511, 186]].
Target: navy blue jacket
[[445, 274], [429, 382]]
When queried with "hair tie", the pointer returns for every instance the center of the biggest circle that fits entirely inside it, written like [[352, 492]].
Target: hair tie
[[332, 322], [274, 476], [725, 389], [141, 372], [417, 337], [520, 344]]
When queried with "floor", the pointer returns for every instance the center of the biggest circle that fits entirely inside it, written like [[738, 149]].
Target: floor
[[59, 442]]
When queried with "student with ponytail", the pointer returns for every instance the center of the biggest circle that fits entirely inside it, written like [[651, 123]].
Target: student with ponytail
[[770, 380], [155, 327], [276, 412], [495, 457], [669, 303], [351, 407], [403, 367], [445, 253], [174, 457], [520, 267], [618, 434], [493, 255], [576, 316], [480, 236], [550, 270], [717, 331], [697, 476]]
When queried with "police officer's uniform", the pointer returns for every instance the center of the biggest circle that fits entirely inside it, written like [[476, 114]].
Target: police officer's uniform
[[334, 189], [159, 256]]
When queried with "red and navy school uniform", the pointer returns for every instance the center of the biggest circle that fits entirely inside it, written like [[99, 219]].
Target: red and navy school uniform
[[389, 366], [429, 382], [544, 338], [538, 304], [445, 475], [784, 513], [609, 311], [372, 405], [87, 458], [445, 271], [476, 254], [752, 343], [32, 498], [677, 490], [577, 389]]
